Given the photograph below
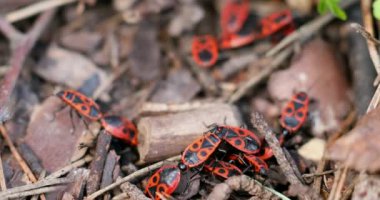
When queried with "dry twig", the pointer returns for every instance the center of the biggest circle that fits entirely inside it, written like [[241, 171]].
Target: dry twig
[[268, 69], [33, 192], [21, 44], [259, 123], [24, 166], [3, 183]]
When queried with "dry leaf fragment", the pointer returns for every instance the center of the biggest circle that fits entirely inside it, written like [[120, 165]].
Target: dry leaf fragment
[[360, 148]]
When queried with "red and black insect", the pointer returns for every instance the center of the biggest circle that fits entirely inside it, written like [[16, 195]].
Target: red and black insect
[[233, 16], [267, 152], [294, 114], [240, 138], [222, 169], [120, 128], [249, 32], [81, 103], [204, 50], [200, 150], [164, 181], [250, 161], [276, 22]]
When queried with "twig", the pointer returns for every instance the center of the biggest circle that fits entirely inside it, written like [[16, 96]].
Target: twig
[[366, 6], [306, 30], [244, 183], [262, 126], [34, 9], [97, 165], [360, 29], [152, 107], [342, 179], [131, 192], [318, 174], [137, 174], [37, 185], [3, 183], [246, 86], [69, 167], [21, 46], [24, 166], [33, 192]]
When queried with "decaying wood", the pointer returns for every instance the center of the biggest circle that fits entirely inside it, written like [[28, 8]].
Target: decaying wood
[[97, 165], [131, 192], [163, 136], [76, 189], [109, 167]]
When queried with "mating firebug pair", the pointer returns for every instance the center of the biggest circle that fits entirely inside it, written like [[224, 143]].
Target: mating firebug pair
[[117, 126]]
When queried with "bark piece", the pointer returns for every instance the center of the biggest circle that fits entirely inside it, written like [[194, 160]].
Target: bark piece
[[50, 133], [75, 190], [164, 136], [179, 87], [67, 67], [82, 41], [97, 164]]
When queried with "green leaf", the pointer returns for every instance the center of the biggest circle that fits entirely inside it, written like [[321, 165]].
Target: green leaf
[[376, 9], [333, 7], [322, 7]]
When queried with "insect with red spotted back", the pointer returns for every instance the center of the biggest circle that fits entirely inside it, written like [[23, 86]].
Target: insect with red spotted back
[[81, 103], [200, 150], [276, 22], [249, 32], [204, 50], [250, 161], [222, 169], [118, 127], [233, 16], [294, 114], [164, 181]]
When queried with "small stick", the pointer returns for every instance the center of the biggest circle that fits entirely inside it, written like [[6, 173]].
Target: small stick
[[97, 164], [360, 29], [262, 126], [24, 166], [246, 86], [41, 177], [69, 167], [318, 174], [306, 30], [37, 185], [33, 192], [132, 191], [137, 174], [21, 45], [153, 107], [34, 9], [342, 179], [3, 183]]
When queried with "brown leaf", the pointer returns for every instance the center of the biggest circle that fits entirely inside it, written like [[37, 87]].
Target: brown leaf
[[317, 71], [179, 87], [360, 148], [49, 134], [82, 41], [67, 67]]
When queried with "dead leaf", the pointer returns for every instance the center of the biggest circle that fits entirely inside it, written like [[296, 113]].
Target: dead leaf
[[49, 133], [82, 41], [67, 67], [317, 71], [179, 87], [360, 148], [313, 149]]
